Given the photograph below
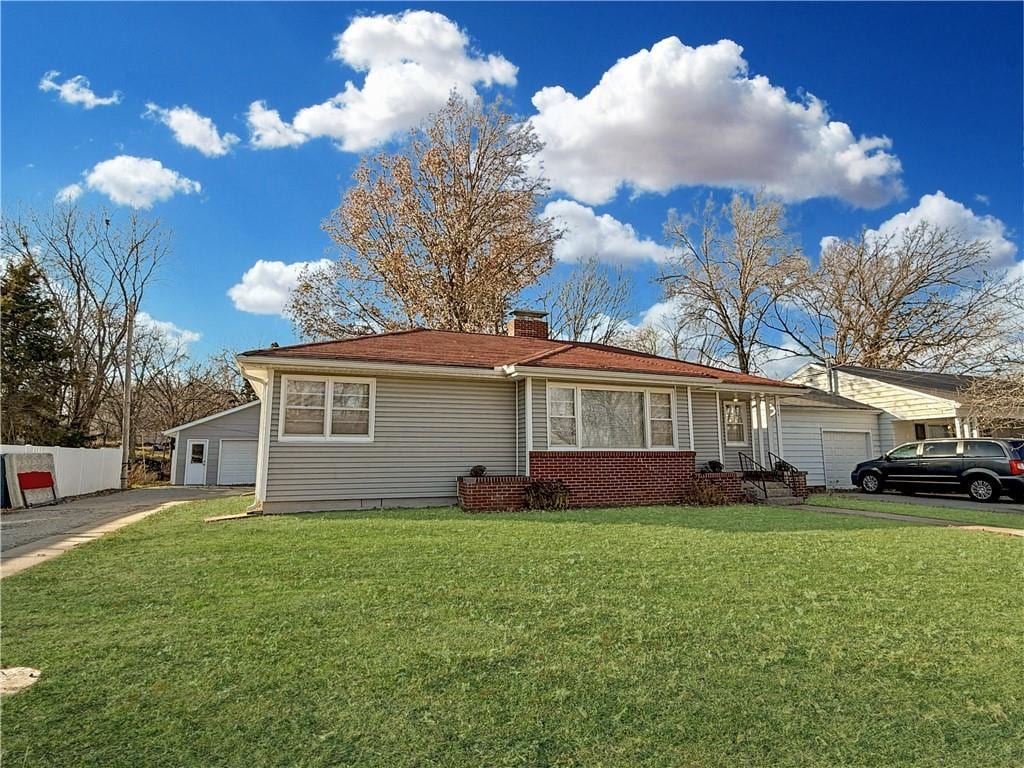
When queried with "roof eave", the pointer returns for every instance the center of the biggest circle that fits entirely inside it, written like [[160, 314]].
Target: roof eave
[[362, 366]]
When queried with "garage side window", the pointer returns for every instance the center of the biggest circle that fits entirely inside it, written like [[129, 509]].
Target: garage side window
[[326, 408]]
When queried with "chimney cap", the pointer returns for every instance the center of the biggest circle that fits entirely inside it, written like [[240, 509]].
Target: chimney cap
[[535, 314]]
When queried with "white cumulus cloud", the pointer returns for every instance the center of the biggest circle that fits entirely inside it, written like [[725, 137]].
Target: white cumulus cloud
[[268, 131], [69, 194], [168, 330], [601, 236], [193, 130], [411, 60], [267, 285], [77, 90], [675, 115], [138, 181], [944, 212]]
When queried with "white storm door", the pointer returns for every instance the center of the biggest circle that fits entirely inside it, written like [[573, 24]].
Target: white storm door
[[196, 457]]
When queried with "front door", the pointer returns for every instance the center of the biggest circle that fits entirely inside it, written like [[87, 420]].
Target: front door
[[195, 462]]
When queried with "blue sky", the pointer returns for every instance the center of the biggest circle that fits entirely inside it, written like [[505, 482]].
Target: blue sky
[[941, 84]]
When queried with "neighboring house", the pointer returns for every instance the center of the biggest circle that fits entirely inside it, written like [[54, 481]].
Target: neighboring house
[[913, 405], [217, 450], [395, 419]]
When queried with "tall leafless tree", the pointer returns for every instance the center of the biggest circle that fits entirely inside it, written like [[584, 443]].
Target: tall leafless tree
[[97, 266], [591, 304], [925, 297], [731, 265]]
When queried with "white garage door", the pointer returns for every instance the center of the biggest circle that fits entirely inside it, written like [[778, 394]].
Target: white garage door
[[843, 451], [237, 462]]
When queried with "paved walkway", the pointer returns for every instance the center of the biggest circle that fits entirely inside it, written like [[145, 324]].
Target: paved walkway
[[913, 519], [1005, 504], [29, 536]]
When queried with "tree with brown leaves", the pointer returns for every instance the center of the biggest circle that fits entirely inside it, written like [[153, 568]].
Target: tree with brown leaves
[[443, 233]]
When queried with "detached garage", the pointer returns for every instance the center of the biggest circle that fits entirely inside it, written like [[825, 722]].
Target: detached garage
[[827, 436], [219, 449]]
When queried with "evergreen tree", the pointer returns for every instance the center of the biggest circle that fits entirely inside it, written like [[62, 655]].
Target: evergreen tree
[[32, 357]]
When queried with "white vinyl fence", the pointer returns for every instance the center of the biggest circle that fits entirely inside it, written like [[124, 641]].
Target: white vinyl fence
[[79, 470]]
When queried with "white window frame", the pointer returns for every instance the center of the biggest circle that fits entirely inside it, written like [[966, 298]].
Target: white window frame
[[744, 408], [578, 403], [325, 436]]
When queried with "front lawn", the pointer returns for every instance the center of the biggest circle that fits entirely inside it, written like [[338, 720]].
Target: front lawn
[[737, 636], [895, 505]]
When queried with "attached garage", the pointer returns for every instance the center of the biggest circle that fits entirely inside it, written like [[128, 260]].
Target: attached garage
[[219, 449], [827, 436], [843, 450]]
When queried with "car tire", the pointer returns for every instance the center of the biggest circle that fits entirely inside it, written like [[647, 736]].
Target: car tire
[[982, 489], [870, 482]]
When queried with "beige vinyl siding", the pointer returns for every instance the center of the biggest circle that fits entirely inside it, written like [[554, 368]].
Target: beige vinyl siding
[[241, 424], [427, 432], [897, 403], [540, 414], [802, 440], [705, 426]]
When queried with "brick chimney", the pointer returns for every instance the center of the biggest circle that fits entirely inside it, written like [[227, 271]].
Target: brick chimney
[[529, 323]]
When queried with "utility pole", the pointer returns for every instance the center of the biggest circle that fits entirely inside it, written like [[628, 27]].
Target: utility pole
[[126, 416]]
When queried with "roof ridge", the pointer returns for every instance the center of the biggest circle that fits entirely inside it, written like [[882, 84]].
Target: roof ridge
[[339, 341]]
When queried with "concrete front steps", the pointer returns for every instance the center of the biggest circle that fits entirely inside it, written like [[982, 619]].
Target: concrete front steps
[[779, 494]]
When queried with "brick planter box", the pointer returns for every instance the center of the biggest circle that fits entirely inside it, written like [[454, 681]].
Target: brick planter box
[[731, 484], [617, 478], [492, 493]]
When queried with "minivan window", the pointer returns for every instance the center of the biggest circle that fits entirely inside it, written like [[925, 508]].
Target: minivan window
[[939, 450], [908, 451], [977, 449]]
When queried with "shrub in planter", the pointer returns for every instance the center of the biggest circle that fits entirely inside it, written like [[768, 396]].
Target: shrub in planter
[[705, 495], [546, 494], [478, 470]]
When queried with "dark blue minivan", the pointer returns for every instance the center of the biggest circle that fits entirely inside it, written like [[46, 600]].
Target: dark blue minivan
[[983, 468]]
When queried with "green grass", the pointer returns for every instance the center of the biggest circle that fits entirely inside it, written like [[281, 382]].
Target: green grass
[[894, 505], [737, 636]]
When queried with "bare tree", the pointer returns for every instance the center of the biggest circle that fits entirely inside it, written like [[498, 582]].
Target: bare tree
[[921, 298], [443, 233], [680, 333], [996, 402], [731, 266], [591, 304], [97, 268]]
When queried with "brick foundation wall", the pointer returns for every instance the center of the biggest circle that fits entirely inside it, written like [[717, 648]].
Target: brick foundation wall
[[617, 478], [492, 493], [731, 484]]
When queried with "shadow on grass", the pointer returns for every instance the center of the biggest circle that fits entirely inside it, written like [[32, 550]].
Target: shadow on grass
[[733, 519]]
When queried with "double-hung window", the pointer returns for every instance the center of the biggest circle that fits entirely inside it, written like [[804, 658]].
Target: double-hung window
[[326, 408], [735, 423], [595, 418]]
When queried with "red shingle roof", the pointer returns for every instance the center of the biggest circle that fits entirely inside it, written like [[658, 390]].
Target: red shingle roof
[[479, 350]]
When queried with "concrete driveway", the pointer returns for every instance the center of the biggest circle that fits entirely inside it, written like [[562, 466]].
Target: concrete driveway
[[1005, 503], [21, 529]]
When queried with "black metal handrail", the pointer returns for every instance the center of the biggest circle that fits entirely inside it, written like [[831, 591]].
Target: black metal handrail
[[754, 472], [783, 471]]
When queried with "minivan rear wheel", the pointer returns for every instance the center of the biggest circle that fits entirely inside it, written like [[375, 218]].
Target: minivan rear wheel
[[870, 483], [982, 489]]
